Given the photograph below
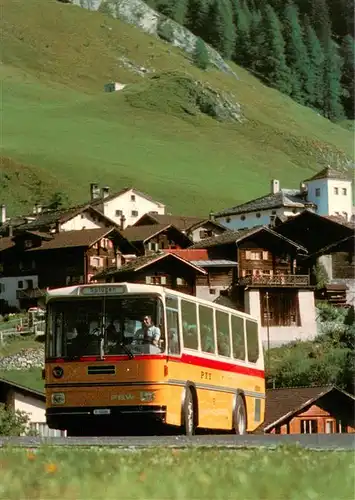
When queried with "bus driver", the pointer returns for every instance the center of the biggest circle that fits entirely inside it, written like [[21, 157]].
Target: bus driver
[[148, 334]]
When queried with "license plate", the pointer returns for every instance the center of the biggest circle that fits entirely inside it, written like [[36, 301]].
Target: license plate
[[102, 411]]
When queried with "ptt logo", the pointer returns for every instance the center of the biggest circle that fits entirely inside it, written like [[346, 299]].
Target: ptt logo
[[122, 397]]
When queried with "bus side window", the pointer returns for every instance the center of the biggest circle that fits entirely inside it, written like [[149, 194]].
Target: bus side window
[[252, 341], [206, 329], [189, 324], [223, 341], [238, 342], [172, 318]]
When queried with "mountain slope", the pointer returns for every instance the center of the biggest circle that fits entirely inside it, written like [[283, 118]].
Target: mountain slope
[[61, 130]]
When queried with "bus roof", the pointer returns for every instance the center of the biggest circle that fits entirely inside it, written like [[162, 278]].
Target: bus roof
[[117, 289]]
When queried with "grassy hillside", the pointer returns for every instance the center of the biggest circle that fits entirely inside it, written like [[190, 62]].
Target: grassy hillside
[[61, 131]]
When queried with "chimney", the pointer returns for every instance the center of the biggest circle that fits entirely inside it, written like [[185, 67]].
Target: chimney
[[10, 231], [303, 188], [105, 191], [122, 221], [275, 186], [94, 191], [3, 214]]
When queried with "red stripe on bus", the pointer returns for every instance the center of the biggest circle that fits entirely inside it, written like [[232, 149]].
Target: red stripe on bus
[[190, 359]]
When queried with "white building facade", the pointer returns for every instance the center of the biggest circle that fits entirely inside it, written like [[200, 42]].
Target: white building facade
[[10, 286]]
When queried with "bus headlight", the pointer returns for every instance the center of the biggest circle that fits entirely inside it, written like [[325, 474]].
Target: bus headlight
[[147, 396], [58, 398]]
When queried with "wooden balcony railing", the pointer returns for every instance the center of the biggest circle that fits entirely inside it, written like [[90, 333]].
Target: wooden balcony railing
[[291, 280], [30, 293]]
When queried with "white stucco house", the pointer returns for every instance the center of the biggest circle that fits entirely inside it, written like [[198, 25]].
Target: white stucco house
[[124, 207], [329, 192], [28, 400]]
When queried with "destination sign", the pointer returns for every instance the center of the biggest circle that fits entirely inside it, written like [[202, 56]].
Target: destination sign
[[103, 290]]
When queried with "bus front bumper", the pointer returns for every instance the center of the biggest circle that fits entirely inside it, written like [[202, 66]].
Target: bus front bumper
[[64, 418]]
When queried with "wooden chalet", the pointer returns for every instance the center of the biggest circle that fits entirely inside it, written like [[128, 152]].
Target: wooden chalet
[[309, 410], [32, 261], [163, 269], [196, 228], [267, 282], [153, 238]]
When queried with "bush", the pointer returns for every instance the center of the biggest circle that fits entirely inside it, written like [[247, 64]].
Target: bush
[[165, 30], [13, 423]]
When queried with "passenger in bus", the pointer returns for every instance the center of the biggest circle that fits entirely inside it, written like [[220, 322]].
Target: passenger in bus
[[173, 341], [148, 334]]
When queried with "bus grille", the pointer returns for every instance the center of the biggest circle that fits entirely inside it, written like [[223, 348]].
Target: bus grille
[[106, 370]]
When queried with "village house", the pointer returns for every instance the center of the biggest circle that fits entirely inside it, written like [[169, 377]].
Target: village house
[[124, 207], [329, 192], [31, 401], [161, 268], [308, 410], [195, 228], [32, 261], [156, 237], [267, 282]]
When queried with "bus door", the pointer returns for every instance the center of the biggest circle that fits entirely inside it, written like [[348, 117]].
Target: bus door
[[172, 325]]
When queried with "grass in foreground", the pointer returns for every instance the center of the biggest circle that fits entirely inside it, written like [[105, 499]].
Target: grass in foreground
[[14, 344], [287, 473]]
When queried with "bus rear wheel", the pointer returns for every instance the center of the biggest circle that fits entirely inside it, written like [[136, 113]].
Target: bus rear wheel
[[240, 417], [188, 414]]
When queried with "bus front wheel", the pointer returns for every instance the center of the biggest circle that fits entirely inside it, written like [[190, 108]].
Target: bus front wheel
[[189, 414], [240, 417]]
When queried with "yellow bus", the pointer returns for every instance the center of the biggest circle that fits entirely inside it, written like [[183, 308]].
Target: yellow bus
[[196, 364]]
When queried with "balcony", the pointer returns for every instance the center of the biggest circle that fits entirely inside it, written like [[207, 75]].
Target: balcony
[[287, 280]]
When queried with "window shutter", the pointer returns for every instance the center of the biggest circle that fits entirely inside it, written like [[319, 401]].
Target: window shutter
[[148, 280], [163, 280], [265, 255], [248, 254]]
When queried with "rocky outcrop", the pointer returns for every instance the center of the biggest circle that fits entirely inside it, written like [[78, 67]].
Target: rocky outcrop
[[23, 360], [138, 13]]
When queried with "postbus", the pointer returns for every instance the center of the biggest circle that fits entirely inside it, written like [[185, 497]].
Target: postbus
[[205, 371]]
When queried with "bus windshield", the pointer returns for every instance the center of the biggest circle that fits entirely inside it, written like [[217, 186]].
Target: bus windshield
[[104, 326]]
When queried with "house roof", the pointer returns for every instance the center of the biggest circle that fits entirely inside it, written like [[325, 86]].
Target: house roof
[[144, 233], [181, 222], [281, 404], [23, 389], [232, 236], [329, 173], [116, 194], [66, 239], [6, 243], [215, 263], [146, 260], [289, 198], [188, 253], [343, 245], [340, 220]]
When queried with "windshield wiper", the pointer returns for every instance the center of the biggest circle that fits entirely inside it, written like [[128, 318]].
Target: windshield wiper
[[126, 350]]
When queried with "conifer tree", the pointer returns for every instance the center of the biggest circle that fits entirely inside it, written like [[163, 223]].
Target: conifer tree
[[321, 20], [348, 54], [242, 21], [257, 39], [273, 63], [332, 105], [180, 11], [315, 83], [219, 30], [200, 56], [296, 53], [196, 11]]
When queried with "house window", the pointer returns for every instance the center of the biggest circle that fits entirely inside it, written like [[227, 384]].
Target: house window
[[180, 281], [29, 284], [20, 284], [2, 288], [148, 280], [28, 243], [336, 190], [134, 213], [212, 291], [309, 426], [242, 217], [258, 215], [254, 255], [318, 192], [118, 213], [273, 212], [203, 234], [133, 197], [228, 219], [95, 261], [153, 246], [344, 191]]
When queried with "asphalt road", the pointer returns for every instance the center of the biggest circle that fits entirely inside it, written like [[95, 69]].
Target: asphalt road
[[310, 441]]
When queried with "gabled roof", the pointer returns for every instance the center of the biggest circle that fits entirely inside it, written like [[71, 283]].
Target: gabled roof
[[6, 243], [52, 217], [282, 404], [343, 245], [230, 237], [215, 263], [21, 388], [66, 239], [144, 233], [145, 261], [288, 198], [181, 222], [329, 173], [117, 194], [340, 220]]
